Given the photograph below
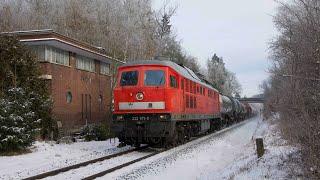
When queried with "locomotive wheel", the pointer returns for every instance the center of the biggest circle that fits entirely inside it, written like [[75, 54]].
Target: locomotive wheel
[[137, 145], [181, 135], [155, 140], [187, 133], [175, 139], [166, 142]]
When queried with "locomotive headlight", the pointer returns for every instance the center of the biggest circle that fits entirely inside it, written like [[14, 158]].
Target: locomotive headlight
[[162, 117], [139, 96], [120, 117]]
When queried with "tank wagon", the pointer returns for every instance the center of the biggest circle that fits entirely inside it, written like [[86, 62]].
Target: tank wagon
[[161, 102], [233, 111]]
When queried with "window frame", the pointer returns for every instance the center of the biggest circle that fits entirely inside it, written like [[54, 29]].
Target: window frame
[[69, 97], [164, 79], [175, 85], [57, 56], [102, 66], [131, 70], [80, 63]]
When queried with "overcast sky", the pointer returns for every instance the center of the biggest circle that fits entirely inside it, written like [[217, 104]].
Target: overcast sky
[[237, 30]]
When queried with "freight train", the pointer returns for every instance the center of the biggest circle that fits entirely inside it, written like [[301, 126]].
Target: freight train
[[161, 102]]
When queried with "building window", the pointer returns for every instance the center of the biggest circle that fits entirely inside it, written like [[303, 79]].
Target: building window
[[39, 52], [100, 100], [85, 63], [104, 68], [69, 97], [57, 56]]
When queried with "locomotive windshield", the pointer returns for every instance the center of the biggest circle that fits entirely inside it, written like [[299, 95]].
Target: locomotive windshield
[[129, 78], [154, 78]]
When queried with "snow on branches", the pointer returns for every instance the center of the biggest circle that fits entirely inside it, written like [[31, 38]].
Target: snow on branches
[[18, 123]]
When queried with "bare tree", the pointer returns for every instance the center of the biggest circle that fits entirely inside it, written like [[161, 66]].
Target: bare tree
[[293, 88]]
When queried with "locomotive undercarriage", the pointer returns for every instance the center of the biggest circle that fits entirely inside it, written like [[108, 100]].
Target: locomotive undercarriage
[[158, 132]]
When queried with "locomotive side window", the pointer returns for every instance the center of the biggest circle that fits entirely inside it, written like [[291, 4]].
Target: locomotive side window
[[191, 101], [173, 82], [187, 85], [187, 101], [129, 78], [154, 78], [182, 83]]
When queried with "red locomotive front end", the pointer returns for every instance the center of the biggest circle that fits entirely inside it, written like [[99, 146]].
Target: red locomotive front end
[[160, 101]]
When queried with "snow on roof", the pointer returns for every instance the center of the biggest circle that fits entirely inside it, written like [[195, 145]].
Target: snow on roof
[[64, 42]]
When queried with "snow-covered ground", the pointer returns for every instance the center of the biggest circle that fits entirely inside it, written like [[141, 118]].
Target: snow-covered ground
[[228, 154], [92, 169], [50, 156]]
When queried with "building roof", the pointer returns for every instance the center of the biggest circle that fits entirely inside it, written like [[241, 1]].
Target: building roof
[[182, 70], [52, 38]]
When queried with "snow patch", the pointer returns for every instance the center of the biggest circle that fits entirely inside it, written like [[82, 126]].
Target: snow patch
[[47, 156]]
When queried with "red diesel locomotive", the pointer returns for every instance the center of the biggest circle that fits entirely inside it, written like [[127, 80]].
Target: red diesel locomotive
[[162, 102]]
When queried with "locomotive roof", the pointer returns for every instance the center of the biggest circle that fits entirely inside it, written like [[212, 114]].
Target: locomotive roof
[[182, 70]]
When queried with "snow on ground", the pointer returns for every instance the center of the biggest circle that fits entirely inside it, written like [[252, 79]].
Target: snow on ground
[[226, 155], [91, 169], [281, 160], [49, 156]]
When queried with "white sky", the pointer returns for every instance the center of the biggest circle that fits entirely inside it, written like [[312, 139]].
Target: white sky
[[237, 30]]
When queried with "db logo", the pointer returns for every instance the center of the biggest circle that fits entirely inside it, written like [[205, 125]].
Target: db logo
[[139, 96]]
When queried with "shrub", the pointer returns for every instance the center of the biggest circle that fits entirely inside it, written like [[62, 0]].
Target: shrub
[[96, 132]]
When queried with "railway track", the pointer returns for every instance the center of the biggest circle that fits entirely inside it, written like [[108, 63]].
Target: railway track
[[76, 166], [217, 133], [115, 168]]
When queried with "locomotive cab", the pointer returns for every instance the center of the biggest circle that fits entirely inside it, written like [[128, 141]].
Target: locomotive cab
[[140, 97], [161, 101], [140, 90]]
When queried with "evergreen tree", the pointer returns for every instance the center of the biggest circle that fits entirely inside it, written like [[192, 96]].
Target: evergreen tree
[[25, 102], [18, 122]]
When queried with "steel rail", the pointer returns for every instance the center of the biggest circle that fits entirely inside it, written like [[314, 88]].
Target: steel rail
[[76, 166], [214, 134]]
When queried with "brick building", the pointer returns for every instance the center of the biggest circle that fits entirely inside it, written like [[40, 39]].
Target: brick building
[[79, 77]]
